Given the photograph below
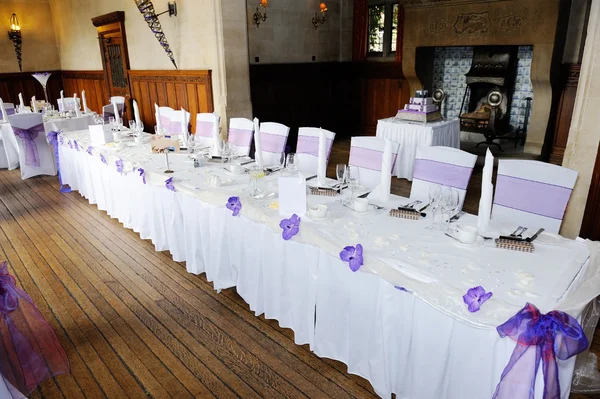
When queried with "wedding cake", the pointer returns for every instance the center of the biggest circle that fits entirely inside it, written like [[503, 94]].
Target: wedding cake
[[420, 109]]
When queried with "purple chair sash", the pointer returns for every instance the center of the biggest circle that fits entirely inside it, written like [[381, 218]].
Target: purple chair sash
[[165, 123], [174, 128], [9, 111], [28, 136], [310, 145], [240, 137], [442, 173], [29, 352], [368, 159], [272, 142], [533, 197], [108, 111], [53, 140], [551, 335], [204, 129]]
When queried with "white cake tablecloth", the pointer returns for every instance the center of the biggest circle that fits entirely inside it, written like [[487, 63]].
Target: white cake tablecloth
[[419, 344], [10, 141], [411, 135]]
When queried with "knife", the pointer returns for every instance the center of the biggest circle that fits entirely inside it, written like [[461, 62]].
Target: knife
[[364, 195], [457, 216], [454, 238], [511, 238], [533, 237], [310, 178], [425, 207], [247, 162]]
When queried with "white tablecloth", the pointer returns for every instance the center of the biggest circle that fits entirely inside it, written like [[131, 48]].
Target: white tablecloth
[[10, 141], [422, 344], [411, 135]]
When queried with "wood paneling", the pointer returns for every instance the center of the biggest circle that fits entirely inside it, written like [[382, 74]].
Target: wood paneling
[[11, 84], [191, 90], [565, 112], [590, 226], [93, 84]]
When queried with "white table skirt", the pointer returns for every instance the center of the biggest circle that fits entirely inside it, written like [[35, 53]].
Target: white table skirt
[[396, 341], [411, 135], [10, 141]]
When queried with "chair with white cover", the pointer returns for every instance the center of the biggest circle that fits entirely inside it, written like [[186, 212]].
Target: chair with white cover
[[241, 133], [36, 156], [445, 166], [117, 100], [532, 193], [69, 104], [108, 111], [366, 153], [179, 121], [273, 138], [206, 123], [10, 110], [307, 148]]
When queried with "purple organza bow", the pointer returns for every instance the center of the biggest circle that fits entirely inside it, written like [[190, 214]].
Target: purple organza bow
[[169, 184], [52, 138], [28, 341], [539, 337], [28, 136], [143, 174], [103, 159], [90, 150], [120, 166]]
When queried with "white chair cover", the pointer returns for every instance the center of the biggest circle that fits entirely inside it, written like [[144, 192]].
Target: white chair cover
[[441, 165], [109, 111], [117, 100], [36, 156], [273, 138], [241, 133], [307, 148], [205, 125], [532, 193], [366, 153], [10, 110], [176, 118], [69, 104]]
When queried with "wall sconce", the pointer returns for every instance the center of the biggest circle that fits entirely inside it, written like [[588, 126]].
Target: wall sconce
[[147, 9], [14, 34], [316, 21], [258, 16]]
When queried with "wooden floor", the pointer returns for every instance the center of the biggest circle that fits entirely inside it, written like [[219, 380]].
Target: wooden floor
[[136, 324]]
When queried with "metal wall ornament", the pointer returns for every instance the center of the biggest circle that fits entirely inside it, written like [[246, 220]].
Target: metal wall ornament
[[316, 21], [258, 16], [14, 34], [147, 9]]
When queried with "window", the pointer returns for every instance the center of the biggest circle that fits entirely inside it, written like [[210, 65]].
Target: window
[[383, 28]]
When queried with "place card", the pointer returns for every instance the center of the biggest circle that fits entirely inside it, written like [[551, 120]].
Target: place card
[[521, 246], [100, 135], [292, 195], [405, 214], [161, 143]]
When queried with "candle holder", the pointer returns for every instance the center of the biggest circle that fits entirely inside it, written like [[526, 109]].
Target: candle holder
[[316, 21], [43, 77], [14, 34], [258, 16], [166, 151], [147, 9]]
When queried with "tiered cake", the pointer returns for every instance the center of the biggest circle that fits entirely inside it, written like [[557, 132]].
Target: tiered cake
[[420, 109]]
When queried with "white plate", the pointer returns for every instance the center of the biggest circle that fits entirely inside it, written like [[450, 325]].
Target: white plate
[[316, 219], [369, 210], [479, 241], [548, 238]]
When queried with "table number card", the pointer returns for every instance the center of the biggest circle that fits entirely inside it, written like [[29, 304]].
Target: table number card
[[292, 195], [160, 143], [100, 134]]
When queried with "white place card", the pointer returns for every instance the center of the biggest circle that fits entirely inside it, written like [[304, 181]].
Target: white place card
[[100, 134], [292, 195]]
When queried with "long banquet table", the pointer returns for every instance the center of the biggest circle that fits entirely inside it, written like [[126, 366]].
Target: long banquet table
[[399, 322]]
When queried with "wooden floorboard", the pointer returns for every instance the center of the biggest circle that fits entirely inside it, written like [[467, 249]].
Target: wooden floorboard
[[135, 324]]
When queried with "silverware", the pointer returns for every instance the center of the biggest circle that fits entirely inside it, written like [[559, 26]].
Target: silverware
[[410, 204], [454, 238], [514, 233], [533, 237], [425, 207], [520, 235], [364, 195], [247, 162], [457, 216], [310, 178], [378, 207]]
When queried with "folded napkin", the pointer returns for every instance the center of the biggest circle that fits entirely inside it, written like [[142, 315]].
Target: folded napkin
[[382, 190], [257, 144], [21, 100], [136, 113], [3, 110], [116, 111], [34, 104], [184, 126], [157, 116], [216, 146], [76, 105], [61, 105], [85, 107], [487, 191], [322, 161]]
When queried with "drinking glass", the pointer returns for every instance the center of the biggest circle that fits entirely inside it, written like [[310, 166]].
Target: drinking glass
[[132, 125], [140, 128], [257, 184], [281, 160], [340, 173], [445, 206], [435, 191], [291, 163], [111, 121], [353, 179], [452, 206]]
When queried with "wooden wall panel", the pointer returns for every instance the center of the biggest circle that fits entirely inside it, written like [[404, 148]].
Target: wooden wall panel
[[564, 115], [90, 81], [11, 84], [590, 226], [191, 90]]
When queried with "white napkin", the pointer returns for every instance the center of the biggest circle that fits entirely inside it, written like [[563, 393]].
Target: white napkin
[[157, 116], [136, 113], [34, 104], [184, 125], [4, 116], [382, 191], [21, 100], [116, 111], [61, 105], [258, 158], [76, 105], [85, 107], [216, 147], [322, 161], [487, 191]]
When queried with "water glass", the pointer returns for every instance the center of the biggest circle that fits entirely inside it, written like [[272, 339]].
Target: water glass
[[140, 128], [353, 179], [111, 121], [257, 184], [435, 191], [291, 163], [340, 173], [281, 160], [132, 125], [452, 205]]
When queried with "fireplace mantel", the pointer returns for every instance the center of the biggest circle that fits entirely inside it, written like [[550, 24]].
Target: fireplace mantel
[[484, 23]]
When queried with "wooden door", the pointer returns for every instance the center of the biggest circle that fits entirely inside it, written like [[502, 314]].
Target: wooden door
[[115, 57]]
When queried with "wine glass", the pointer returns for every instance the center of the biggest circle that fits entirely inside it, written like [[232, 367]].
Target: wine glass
[[353, 179], [140, 128], [111, 121], [452, 205], [435, 191], [132, 125], [281, 160], [291, 163], [340, 173]]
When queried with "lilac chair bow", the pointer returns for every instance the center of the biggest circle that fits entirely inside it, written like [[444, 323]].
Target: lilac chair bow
[[53, 140], [30, 349], [548, 336], [28, 136]]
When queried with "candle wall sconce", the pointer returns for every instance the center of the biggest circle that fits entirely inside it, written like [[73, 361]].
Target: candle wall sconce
[[258, 16], [14, 34], [316, 21], [147, 9]]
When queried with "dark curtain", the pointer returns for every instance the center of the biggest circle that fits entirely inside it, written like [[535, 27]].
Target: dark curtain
[[400, 33]]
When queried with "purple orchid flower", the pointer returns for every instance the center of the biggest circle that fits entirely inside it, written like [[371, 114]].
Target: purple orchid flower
[[103, 159], [143, 174], [290, 227], [61, 140], [90, 150], [401, 288], [234, 204], [475, 297], [76, 145], [353, 255], [70, 144], [119, 164], [169, 184]]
